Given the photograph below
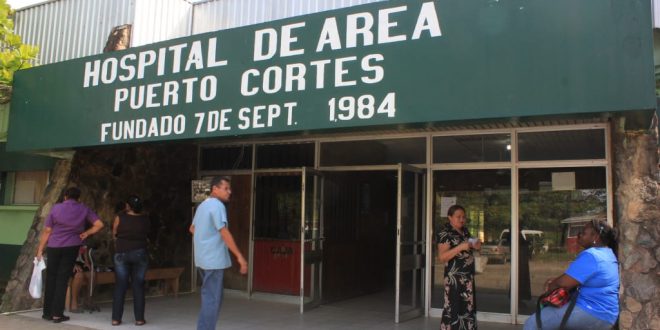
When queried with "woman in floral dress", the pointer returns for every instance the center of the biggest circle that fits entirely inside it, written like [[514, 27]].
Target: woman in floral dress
[[455, 251]]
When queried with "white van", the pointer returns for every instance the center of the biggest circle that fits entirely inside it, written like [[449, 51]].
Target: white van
[[502, 251]]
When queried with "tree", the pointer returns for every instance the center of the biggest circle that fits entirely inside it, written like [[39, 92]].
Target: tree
[[14, 55]]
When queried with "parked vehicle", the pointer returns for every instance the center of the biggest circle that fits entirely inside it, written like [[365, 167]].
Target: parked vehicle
[[573, 226], [501, 251]]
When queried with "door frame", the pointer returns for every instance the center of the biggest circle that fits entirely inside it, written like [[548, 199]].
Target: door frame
[[316, 243], [419, 214]]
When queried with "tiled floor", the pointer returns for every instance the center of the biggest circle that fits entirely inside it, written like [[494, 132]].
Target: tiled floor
[[238, 312]]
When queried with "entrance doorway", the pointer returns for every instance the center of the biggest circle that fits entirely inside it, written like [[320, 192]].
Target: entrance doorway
[[363, 243], [374, 246], [360, 231]]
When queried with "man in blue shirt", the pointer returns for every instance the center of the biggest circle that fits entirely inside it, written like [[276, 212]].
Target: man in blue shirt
[[213, 241]]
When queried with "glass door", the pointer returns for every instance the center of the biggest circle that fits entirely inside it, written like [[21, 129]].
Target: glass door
[[486, 196], [410, 256], [311, 230], [554, 205]]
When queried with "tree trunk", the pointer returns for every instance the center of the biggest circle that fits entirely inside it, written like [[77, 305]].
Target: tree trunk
[[16, 295]]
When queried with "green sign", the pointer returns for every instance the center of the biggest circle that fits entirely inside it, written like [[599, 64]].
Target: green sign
[[385, 63]]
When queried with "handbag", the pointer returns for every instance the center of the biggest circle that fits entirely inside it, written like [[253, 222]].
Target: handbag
[[556, 298], [36, 282]]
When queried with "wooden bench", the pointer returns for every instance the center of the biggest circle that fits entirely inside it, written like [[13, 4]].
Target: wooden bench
[[169, 275]]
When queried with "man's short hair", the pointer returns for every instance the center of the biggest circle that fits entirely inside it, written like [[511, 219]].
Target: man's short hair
[[72, 193], [217, 180]]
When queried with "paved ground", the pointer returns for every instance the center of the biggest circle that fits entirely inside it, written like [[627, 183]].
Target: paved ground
[[238, 313]]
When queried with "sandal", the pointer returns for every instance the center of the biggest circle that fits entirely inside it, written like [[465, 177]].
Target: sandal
[[141, 322], [115, 322], [60, 319], [77, 310]]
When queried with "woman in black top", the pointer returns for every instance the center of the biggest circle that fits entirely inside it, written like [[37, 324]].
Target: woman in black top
[[129, 231], [455, 251]]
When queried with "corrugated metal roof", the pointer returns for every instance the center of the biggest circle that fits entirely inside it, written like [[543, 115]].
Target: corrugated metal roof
[[68, 29], [224, 14], [159, 20], [73, 28]]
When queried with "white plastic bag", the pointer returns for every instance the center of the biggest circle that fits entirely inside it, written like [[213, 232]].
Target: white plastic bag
[[36, 282]]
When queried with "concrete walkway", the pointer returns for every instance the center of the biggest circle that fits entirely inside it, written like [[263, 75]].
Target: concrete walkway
[[238, 312]]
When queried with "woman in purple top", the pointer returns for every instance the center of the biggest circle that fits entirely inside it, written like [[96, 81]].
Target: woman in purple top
[[64, 231]]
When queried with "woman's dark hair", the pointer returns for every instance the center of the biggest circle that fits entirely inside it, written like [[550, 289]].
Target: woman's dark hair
[[72, 193], [453, 209], [135, 203], [606, 233], [120, 207]]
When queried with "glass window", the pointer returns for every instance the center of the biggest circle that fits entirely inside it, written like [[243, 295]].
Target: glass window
[[29, 186], [472, 148], [486, 197], [226, 158], [277, 209], [562, 145], [285, 155], [277, 218], [555, 203], [374, 152]]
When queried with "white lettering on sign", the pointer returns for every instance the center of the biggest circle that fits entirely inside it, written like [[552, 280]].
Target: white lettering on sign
[[129, 70], [261, 116], [271, 36], [427, 21], [329, 35], [353, 30], [249, 117], [167, 93], [293, 77], [364, 106], [135, 66], [360, 28], [286, 43], [385, 25], [142, 128], [187, 65]]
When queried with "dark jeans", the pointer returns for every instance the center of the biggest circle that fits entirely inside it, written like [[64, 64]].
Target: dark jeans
[[131, 264], [59, 266]]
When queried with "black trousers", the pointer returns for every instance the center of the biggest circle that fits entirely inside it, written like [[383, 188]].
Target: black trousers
[[59, 267]]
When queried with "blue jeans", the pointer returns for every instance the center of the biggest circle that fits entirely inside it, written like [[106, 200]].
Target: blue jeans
[[211, 297], [579, 320], [131, 264]]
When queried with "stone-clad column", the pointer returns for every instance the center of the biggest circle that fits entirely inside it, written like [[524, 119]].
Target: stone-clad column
[[637, 205]]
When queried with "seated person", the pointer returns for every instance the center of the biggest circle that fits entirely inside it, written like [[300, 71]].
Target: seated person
[[80, 277]]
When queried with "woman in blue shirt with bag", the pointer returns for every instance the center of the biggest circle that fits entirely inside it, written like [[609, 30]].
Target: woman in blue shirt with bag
[[595, 272]]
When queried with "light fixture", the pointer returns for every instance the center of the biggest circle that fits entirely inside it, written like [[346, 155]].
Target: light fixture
[[508, 147]]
